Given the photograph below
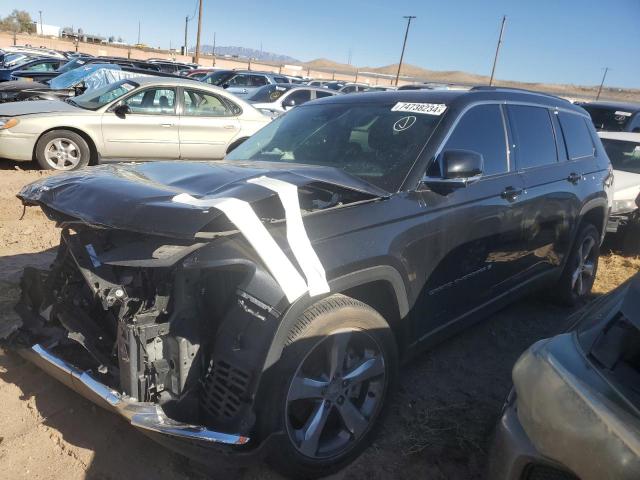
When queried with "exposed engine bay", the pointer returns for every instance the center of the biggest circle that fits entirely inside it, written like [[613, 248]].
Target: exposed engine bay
[[182, 323]]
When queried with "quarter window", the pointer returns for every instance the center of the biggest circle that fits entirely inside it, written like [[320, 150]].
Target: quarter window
[[320, 94], [576, 135], [201, 104], [533, 136], [153, 101], [481, 130]]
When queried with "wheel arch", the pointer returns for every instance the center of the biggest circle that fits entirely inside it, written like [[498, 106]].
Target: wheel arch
[[87, 138], [596, 212], [375, 286]]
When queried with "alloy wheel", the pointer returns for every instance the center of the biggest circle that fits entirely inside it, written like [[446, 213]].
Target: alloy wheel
[[335, 394], [584, 272], [62, 154]]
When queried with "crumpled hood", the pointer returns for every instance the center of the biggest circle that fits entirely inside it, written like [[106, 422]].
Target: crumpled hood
[[36, 106], [138, 196]]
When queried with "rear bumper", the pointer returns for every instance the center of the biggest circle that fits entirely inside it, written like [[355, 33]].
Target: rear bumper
[[148, 417]]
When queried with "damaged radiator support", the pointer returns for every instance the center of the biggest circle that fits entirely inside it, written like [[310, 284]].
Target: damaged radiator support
[[130, 306]]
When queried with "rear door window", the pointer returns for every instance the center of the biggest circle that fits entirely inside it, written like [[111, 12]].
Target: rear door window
[[320, 94], [299, 97], [481, 130], [535, 143], [576, 135], [258, 80]]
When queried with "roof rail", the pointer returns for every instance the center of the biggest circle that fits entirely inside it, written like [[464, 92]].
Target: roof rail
[[479, 88]]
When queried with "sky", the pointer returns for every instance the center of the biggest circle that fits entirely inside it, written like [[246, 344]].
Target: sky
[[552, 41]]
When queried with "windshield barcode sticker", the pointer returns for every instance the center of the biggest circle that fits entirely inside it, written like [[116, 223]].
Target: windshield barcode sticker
[[426, 108]]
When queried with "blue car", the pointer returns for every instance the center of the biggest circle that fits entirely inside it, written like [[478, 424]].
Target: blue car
[[35, 64]]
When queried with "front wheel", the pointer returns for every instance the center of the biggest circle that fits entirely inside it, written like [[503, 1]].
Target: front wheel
[[62, 150], [329, 387], [582, 265]]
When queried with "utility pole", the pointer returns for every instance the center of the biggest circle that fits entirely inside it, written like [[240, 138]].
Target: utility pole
[[138, 32], [606, 69], [41, 30], [404, 44], [495, 59], [186, 29], [196, 59], [213, 50]]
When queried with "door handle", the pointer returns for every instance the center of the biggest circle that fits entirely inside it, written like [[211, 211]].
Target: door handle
[[166, 124], [229, 127], [574, 177], [511, 194]]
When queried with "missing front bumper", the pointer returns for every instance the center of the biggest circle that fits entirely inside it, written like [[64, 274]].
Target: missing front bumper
[[148, 417]]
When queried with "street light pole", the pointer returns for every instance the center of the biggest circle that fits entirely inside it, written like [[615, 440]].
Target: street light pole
[[138, 32], [404, 44], [495, 58], [41, 30], [197, 56], [606, 69]]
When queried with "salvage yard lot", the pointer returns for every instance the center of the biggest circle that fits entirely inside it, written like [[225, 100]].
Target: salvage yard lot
[[439, 424]]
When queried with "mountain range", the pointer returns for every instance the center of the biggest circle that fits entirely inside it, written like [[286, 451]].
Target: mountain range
[[243, 52]]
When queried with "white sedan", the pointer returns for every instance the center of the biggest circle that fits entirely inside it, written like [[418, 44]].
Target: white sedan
[[142, 118], [623, 149]]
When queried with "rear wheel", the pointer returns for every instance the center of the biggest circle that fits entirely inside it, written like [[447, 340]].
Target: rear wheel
[[582, 265], [332, 383], [62, 150]]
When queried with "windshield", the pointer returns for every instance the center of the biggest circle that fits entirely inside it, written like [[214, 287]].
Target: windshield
[[218, 78], [369, 141], [608, 119], [624, 156], [14, 59], [75, 76], [72, 65], [268, 93], [334, 86], [94, 99]]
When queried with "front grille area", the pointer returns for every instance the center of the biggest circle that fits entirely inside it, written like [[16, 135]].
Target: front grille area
[[224, 388], [543, 472]]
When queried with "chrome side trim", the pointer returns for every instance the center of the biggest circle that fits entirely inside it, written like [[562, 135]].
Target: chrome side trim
[[143, 415]]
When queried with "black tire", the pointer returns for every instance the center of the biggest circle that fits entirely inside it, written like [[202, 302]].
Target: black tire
[[567, 290], [75, 152], [335, 321]]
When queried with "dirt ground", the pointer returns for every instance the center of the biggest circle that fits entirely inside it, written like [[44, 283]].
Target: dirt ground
[[439, 424]]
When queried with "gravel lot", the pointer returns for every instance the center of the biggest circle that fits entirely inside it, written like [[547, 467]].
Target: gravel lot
[[439, 425]]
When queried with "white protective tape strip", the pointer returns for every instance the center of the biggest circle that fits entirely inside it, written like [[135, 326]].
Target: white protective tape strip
[[245, 219], [296, 234]]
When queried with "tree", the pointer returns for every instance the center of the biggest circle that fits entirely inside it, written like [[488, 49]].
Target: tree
[[18, 21]]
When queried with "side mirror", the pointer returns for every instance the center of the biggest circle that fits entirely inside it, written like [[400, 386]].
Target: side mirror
[[459, 168], [122, 110], [225, 85], [79, 89], [289, 103]]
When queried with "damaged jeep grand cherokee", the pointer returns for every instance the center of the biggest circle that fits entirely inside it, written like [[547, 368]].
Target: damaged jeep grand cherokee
[[263, 303]]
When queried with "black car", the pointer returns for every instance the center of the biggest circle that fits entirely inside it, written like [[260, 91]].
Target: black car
[[614, 116], [575, 409], [263, 303], [37, 64]]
